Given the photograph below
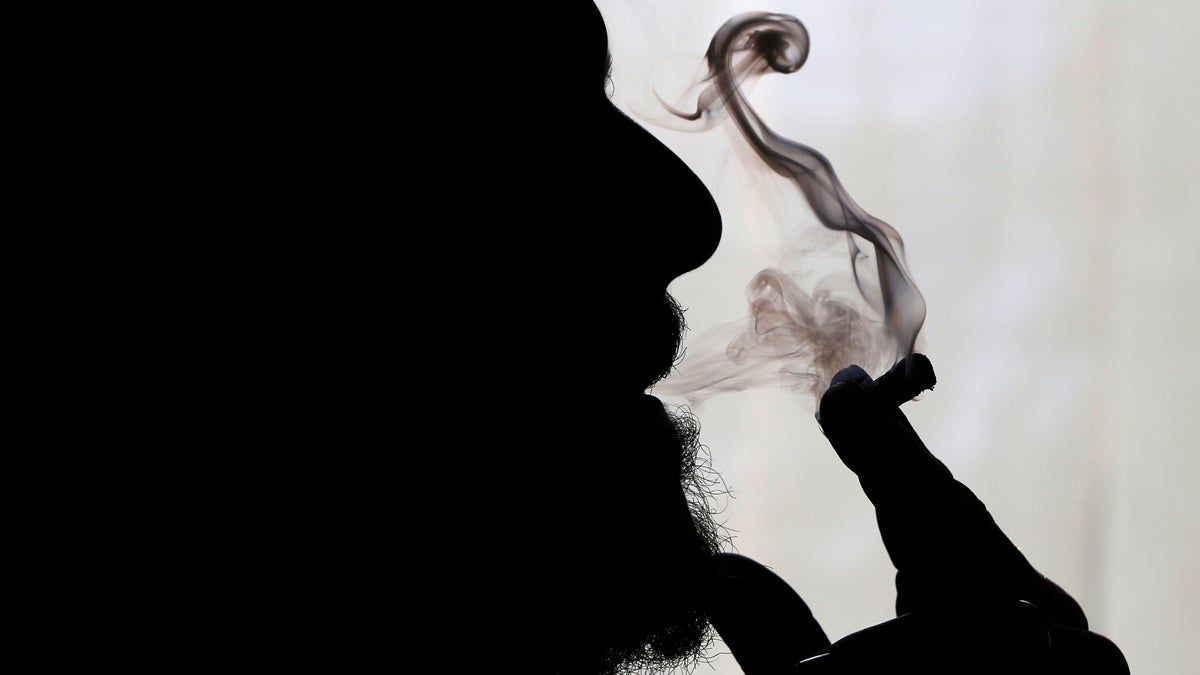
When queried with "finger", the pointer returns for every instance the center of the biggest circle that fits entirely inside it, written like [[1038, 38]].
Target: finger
[[1055, 602], [1074, 650], [874, 439], [843, 411], [852, 373]]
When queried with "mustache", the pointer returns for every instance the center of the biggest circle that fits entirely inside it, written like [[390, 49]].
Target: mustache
[[665, 321]]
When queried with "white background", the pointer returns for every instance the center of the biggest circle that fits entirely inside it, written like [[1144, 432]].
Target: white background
[[1040, 159]]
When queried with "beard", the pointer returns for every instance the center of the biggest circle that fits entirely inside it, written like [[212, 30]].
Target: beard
[[676, 634], [667, 629], [609, 504], [640, 606]]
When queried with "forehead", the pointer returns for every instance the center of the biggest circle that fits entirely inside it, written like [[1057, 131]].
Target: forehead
[[570, 37]]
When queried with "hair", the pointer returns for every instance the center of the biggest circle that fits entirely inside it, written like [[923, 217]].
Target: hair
[[680, 640]]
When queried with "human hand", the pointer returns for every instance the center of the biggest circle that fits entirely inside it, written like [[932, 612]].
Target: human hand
[[1013, 639], [951, 558]]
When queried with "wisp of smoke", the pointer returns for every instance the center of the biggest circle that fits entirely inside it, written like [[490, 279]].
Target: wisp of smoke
[[794, 337]]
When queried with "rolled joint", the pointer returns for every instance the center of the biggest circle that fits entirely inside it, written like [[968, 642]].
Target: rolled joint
[[904, 381]]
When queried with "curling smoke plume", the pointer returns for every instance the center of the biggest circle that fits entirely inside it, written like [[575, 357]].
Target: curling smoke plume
[[794, 337]]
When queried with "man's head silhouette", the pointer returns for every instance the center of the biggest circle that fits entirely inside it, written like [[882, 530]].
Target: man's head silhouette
[[588, 219]]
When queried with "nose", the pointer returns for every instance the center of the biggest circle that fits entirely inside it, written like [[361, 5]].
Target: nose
[[669, 214]]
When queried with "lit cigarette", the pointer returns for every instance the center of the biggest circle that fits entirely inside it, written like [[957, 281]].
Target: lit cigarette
[[904, 381]]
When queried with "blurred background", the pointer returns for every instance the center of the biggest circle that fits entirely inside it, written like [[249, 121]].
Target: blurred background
[[1039, 159]]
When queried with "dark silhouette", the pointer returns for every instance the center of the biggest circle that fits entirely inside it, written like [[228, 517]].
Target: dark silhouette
[[565, 519]]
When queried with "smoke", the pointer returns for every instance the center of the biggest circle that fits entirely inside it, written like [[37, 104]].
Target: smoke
[[795, 337]]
